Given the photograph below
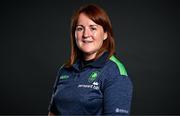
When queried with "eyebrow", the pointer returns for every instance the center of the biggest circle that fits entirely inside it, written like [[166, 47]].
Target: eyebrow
[[89, 25]]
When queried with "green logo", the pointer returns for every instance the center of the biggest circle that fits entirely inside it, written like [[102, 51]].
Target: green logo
[[93, 76], [63, 77]]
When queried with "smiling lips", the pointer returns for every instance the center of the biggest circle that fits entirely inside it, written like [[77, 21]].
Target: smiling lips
[[86, 41]]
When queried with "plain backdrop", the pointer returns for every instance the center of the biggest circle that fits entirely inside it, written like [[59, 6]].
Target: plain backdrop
[[35, 42]]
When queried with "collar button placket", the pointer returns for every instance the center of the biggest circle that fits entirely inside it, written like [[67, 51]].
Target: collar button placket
[[77, 76]]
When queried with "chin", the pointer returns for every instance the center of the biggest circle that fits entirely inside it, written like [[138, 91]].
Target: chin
[[88, 52]]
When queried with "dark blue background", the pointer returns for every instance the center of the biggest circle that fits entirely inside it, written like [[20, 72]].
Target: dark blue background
[[35, 42]]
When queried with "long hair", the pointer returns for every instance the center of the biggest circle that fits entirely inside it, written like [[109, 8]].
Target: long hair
[[100, 17]]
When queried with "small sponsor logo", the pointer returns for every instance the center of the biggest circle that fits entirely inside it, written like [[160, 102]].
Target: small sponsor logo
[[94, 85], [63, 77], [118, 110]]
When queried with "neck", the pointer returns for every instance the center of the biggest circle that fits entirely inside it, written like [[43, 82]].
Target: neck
[[89, 56]]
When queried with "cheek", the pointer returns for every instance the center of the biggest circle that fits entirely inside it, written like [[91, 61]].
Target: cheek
[[99, 37], [75, 34], [78, 35], [98, 43], [78, 39]]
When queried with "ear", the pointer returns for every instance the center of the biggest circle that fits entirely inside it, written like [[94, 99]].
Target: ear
[[105, 36]]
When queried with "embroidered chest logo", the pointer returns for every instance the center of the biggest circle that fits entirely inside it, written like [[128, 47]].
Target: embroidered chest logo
[[93, 76], [63, 77]]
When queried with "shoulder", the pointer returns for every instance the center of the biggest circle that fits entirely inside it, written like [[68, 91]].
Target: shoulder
[[115, 74], [115, 67], [63, 73], [62, 69]]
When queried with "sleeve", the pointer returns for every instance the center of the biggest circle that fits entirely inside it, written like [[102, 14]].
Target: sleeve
[[52, 108], [117, 95]]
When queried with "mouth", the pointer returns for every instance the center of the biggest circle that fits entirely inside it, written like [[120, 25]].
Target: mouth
[[86, 41]]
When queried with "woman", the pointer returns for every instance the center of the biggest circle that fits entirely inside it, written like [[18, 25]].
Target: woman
[[94, 81]]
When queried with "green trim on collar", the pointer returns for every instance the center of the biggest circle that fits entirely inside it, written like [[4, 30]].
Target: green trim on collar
[[121, 67]]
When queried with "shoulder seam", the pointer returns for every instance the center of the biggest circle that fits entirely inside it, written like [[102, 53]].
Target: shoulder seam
[[120, 66]]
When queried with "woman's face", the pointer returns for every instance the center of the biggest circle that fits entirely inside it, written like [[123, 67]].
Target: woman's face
[[89, 36]]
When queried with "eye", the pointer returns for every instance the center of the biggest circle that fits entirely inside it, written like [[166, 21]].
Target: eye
[[93, 28], [79, 28]]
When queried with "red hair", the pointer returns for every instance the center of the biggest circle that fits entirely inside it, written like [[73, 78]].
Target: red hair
[[100, 17]]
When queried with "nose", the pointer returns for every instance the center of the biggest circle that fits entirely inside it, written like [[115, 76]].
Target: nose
[[86, 33]]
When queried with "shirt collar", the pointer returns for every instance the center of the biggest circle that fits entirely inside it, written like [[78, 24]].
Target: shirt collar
[[97, 63]]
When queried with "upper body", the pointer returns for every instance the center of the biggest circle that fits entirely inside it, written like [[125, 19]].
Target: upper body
[[98, 88], [94, 81]]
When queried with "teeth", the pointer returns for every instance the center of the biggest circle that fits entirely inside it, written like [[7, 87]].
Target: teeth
[[87, 41]]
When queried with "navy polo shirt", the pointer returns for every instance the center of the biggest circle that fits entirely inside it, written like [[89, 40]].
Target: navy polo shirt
[[101, 87]]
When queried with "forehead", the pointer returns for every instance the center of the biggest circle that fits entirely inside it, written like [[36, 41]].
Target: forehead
[[85, 20]]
